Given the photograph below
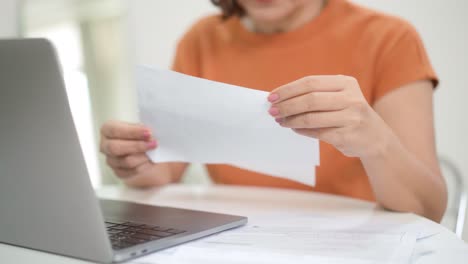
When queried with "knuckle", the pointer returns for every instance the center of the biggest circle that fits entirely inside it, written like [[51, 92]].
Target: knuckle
[[114, 149], [106, 129], [286, 108], [349, 81], [110, 132], [310, 101], [130, 161], [311, 81], [127, 161], [103, 129], [308, 120], [136, 148]]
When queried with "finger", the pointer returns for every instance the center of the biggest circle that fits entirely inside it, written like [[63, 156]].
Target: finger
[[127, 162], [117, 147], [314, 120], [311, 102], [327, 83], [122, 130], [124, 174]]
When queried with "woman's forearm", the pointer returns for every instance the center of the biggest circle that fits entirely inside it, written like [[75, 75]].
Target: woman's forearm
[[402, 182]]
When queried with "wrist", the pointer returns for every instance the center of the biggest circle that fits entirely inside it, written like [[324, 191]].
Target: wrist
[[382, 145]]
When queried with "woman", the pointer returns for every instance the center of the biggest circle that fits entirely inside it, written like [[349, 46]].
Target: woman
[[358, 80]]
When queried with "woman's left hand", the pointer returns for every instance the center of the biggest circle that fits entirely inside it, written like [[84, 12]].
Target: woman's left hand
[[332, 109]]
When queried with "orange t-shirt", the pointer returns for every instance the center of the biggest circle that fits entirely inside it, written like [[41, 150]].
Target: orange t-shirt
[[382, 52]]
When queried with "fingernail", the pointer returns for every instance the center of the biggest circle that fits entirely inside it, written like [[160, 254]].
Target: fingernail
[[279, 120], [152, 144], [274, 111], [273, 98]]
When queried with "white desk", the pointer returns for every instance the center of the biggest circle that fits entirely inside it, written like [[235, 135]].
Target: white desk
[[441, 247]]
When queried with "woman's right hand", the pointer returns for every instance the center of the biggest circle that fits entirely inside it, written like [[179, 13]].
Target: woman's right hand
[[125, 146]]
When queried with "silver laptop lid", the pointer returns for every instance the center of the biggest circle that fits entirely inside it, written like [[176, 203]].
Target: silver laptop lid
[[46, 199]]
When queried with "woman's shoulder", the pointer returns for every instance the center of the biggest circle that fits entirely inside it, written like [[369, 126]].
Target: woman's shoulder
[[377, 23], [391, 44]]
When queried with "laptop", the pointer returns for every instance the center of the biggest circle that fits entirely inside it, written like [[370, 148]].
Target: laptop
[[47, 202]]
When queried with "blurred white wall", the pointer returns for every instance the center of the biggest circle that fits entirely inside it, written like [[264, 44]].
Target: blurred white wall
[[156, 26], [8, 18]]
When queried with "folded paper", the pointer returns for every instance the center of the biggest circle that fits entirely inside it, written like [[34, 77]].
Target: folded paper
[[202, 121]]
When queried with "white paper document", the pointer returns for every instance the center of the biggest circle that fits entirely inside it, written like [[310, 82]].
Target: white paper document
[[197, 120], [286, 244], [300, 244]]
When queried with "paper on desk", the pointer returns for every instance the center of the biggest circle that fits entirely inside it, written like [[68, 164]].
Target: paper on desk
[[304, 237], [340, 247], [288, 244], [197, 120]]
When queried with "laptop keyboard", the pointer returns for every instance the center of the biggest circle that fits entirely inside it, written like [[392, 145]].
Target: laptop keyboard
[[128, 234]]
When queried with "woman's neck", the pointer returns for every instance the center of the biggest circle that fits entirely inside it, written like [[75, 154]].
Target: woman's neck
[[298, 18]]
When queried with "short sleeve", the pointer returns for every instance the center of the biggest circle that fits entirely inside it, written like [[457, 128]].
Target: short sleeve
[[403, 60]]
